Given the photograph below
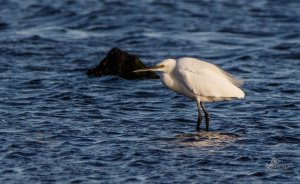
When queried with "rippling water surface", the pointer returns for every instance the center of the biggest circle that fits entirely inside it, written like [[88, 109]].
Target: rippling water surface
[[58, 125]]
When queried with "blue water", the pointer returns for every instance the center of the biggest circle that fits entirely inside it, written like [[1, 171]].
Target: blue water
[[60, 126]]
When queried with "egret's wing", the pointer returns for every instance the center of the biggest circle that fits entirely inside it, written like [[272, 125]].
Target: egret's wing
[[207, 80]]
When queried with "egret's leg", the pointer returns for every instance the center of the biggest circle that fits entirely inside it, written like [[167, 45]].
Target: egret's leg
[[206, 116], [199, 117]]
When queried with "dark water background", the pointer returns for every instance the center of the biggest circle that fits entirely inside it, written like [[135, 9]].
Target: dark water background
[[60, 126]]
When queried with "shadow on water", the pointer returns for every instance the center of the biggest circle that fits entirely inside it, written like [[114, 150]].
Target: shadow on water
[[207, 139]]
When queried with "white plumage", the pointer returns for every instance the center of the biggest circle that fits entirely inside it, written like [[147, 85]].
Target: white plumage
[[207, 81], [198, 80]]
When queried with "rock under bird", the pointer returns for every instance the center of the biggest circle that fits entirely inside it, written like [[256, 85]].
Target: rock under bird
[[198, 80]]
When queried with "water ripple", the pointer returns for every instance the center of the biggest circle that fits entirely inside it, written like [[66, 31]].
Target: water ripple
[[59, 125]]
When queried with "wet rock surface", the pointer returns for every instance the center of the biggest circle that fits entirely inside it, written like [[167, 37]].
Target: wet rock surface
[[122, 64]]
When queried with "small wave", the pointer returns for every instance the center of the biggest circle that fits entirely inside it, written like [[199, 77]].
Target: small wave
[[3, 25]]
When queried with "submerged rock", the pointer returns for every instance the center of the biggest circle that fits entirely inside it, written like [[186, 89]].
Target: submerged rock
[[122, 64]]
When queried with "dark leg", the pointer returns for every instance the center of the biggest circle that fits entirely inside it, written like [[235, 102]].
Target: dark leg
[[199, 117], [199, 121], [206, 116]]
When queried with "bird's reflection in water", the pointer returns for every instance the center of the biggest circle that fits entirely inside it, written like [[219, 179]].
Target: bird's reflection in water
[[204, 138]]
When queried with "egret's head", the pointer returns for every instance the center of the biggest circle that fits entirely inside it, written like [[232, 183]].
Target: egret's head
[[165, 66]]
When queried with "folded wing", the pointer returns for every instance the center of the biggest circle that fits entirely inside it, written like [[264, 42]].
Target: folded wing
[[208, 80]]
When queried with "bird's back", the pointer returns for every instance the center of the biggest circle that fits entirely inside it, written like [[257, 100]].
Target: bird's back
[[208, 81]]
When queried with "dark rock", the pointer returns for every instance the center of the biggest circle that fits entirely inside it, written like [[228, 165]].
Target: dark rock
[[122, 64]]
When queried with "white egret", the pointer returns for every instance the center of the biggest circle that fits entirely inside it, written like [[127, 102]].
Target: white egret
[[198, 80]]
